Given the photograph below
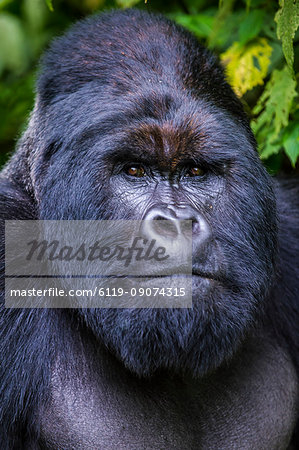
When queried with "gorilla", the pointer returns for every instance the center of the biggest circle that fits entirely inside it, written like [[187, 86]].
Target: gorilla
[[134, 120]]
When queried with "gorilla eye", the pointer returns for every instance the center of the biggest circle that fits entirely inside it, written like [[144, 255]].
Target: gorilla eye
[[194, 172], [135, 171]]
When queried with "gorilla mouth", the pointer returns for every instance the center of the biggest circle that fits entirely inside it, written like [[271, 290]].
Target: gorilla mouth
[[208, 275]]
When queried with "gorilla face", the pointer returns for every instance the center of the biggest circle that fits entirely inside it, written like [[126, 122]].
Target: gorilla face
[[149, 129]]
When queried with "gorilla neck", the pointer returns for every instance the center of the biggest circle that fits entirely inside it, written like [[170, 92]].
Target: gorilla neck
[[96, 403]]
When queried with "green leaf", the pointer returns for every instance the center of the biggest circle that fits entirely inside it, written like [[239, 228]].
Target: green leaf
[[287, 19], [200, 24], [269, 149], [275, 103], [267, 145], [273, 110], [50, 5], [126, 3], [251, 26], [291, 142]]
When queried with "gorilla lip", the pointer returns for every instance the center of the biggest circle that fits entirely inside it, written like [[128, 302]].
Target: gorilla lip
[[179, 273]]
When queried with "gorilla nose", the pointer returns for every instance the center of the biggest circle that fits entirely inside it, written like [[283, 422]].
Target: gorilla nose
[[171, 224]]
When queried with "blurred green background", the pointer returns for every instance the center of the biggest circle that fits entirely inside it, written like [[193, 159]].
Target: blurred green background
[[256, 40]]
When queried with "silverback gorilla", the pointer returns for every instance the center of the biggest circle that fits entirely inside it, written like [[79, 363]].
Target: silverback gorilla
[[132, 116]]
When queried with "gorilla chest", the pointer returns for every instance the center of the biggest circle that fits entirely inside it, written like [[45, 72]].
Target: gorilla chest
[[244, 406]]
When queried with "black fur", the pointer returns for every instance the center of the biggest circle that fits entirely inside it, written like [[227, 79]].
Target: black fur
[[106, 90]]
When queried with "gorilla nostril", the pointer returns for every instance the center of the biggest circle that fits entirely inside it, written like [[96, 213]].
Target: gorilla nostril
[[185, 227], [164, 227], [196, 228]]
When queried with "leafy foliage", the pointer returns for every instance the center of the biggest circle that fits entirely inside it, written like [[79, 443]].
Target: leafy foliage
[[256, 40], [273, 109]]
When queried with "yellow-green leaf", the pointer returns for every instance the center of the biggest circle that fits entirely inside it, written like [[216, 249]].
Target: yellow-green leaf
[[287, 19], [247, 65]]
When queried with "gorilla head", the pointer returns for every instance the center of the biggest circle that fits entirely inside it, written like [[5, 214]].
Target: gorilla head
[[142, 129]]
